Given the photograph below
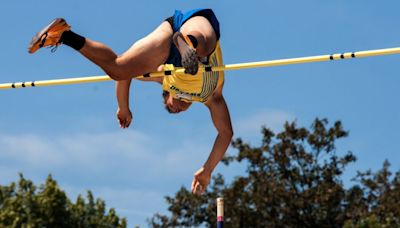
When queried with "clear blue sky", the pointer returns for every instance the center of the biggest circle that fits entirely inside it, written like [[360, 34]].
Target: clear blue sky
[[72, 132]]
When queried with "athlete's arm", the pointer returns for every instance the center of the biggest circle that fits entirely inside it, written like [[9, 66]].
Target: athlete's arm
[[124, 114], [222, 122]]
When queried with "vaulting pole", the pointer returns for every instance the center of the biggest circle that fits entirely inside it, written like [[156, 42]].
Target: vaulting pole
[[220, 212], [238, 66]]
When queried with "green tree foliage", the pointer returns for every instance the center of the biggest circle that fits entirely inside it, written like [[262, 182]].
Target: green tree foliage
[[23, 204], [293, 179]]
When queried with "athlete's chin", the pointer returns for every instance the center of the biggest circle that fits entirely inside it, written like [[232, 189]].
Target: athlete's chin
[[181, 110], [176, 110]]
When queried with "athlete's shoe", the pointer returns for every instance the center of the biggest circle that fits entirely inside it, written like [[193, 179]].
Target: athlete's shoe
[[49, 35], [190, 59]]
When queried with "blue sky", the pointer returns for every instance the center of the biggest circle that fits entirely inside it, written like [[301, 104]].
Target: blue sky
[[72, 132]]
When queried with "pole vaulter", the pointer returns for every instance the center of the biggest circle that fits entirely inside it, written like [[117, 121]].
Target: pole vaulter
[[186, 47]]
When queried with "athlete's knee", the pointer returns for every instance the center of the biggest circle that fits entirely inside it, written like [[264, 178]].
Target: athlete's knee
[[139, 63], [117, 75], [116, 71], [124, 69]]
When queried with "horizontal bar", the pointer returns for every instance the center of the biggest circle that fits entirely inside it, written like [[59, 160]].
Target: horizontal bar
[[55, 82], [238, 66]]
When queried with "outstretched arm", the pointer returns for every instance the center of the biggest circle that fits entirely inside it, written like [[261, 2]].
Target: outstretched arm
[[124, 114], [222, 122]]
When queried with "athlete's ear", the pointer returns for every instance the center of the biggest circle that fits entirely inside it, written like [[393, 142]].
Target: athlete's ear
[[165, 95]]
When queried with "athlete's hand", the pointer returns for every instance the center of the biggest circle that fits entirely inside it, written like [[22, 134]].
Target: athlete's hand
[[124, 117], [200, 181]]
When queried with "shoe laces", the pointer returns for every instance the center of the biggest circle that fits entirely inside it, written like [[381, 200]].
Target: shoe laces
[[53, 48]]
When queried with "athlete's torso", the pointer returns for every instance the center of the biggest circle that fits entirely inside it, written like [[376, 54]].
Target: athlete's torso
[[197, 87]]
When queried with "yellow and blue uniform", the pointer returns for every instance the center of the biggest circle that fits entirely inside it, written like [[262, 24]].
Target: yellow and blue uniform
[[197, 87]]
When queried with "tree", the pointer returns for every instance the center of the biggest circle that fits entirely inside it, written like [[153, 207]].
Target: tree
[[293, 179], [379, 203], [25, 205]]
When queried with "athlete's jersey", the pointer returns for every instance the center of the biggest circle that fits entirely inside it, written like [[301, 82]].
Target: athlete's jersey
[[197, 87]]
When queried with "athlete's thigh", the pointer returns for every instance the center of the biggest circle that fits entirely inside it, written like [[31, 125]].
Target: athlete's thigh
[[149, 53]]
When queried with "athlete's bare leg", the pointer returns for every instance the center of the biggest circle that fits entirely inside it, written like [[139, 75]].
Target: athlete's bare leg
[[145, 56]]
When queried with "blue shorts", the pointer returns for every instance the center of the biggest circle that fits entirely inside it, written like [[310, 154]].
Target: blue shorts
[[176, 23]]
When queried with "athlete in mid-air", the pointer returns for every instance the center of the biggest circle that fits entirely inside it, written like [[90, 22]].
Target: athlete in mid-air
[[184, 40]]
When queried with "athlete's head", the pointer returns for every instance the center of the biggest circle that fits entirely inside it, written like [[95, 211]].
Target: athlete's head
[[174, 105]]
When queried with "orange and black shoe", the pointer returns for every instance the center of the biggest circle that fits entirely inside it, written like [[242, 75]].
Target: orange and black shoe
[[190, 59], [49, 36]]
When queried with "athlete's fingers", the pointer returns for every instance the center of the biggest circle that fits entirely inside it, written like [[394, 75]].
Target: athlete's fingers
[[198, 189], [160, 68], [196, 186], [201, 189], [122, 123], [193, 184], [128, 123]]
